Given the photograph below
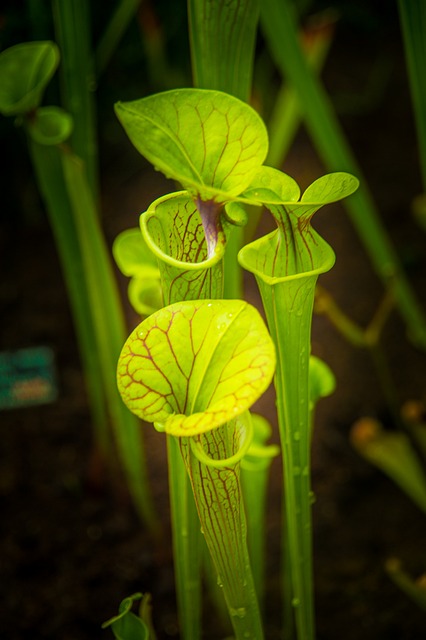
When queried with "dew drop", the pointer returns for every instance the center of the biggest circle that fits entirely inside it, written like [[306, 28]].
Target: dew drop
[[295, 602], [219, 582], [312, 497], [240, 612], [141, 335], [296, 436]]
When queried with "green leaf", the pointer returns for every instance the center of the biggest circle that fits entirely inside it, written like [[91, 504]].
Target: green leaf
[[145, 295], [50, 125], [135, 259], [133, 256], [272, 186], [322, 382], [25, 71], [193, 366], [330, 188], [130, 627], [209, 141], [126, 625]]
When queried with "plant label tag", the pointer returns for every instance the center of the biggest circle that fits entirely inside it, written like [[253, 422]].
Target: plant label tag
[[27, 377]]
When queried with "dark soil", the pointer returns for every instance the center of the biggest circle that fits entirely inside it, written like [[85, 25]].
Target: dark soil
[[71, 546]]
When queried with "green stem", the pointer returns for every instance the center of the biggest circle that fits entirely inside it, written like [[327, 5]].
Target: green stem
[[290, 328], [47, 166], [186, 544], [110, 332], [413, 23], [280, 30], [255, 468], [114, 32], [222, 38], [280, 261], [73, 34], [287, 113]]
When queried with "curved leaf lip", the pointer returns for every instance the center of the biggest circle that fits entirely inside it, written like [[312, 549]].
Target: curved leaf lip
[[151, 212], [50, 126], [194, 366], [271, 186], [248, 257]]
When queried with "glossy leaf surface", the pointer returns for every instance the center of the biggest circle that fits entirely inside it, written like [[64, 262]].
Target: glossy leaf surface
[[193, 366], [209, 141]]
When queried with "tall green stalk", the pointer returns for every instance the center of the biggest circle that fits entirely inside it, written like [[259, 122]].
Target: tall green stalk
[[78, 83], [117, 25], [222, 37], [110, 328], [186, 544], [217, 492], [46, 160], [413, 23], [280, 30], [255, 467], [286, 264]]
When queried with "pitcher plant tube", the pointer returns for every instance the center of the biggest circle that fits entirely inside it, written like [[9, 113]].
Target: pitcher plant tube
[[193, 369], [286, 264]]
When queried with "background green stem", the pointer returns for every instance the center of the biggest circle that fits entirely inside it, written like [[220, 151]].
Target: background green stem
[[114, 32], [73, 36], [186, 544], [110, 332], [255, 468], [46, 161], [413, 22]]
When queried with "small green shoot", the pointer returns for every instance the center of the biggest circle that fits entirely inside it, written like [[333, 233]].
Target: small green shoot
[[129, 626]]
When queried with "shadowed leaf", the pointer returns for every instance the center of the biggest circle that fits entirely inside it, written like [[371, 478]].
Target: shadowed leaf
[[25, 71]]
